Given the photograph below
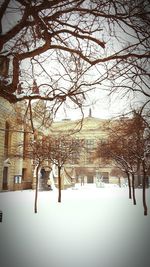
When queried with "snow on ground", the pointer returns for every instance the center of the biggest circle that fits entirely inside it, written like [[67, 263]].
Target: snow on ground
[[92, 227]]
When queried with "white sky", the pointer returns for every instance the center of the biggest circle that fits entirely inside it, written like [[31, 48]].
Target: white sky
[[105, 107]]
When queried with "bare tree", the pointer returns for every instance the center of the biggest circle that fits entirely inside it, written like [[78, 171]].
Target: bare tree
[[35, 152], [127, 146], [115, 150], [137, 147], [61, 148]]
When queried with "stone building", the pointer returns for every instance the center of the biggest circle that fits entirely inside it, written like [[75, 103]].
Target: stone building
[[83, 166], [15, 169]]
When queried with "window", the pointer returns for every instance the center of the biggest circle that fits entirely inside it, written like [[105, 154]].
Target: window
[[90, 158], [17, 179], [6, 142], [74, 158], [89, 148], [89, 144]]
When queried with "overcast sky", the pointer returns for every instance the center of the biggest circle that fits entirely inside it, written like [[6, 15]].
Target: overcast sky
[[105, 106]]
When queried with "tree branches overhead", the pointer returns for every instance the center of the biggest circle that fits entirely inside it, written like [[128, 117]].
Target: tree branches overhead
[[57, 43]]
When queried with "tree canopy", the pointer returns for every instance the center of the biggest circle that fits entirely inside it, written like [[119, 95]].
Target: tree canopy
[[58, 50]]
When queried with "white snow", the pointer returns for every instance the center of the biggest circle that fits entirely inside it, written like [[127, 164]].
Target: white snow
[[92, 227]]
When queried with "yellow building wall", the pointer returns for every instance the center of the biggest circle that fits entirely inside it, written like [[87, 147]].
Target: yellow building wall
[[13, 162], [92, 129]]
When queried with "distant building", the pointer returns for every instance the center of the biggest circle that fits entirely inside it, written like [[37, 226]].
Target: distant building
[[85, 167]]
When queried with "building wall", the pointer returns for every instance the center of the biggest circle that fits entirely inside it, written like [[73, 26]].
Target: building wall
[[19, 167], [11, 154]]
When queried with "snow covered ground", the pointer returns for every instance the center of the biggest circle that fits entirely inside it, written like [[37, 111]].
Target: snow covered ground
[[92, 227]]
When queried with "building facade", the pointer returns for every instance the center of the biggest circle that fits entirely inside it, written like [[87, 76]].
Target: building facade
[[83, 166], [15, 169]]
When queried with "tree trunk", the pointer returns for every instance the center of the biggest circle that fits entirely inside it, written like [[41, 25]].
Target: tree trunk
[[144, 190], [36, 189], [138, 173], [59, 184], [119, 181], [133, 189], [129, 185]]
